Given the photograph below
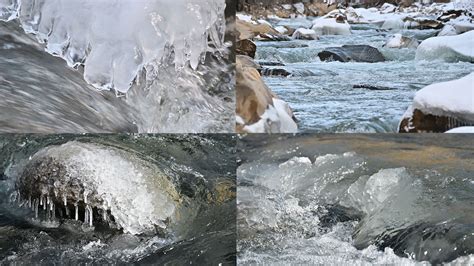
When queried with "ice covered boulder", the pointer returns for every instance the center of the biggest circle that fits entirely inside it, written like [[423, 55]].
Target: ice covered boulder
[[400, 41], [331, 26], [393, 24], [258, 109], [305, 34], [448, 48], [348, 53], [441, 106]]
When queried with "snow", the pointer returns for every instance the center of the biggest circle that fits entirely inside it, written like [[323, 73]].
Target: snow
[[281, 29], [448, 30], [115, 40], [399, 41], [451, 98], [243, 17], [461, 130], [303, 33], [299, 7], [276, 119], [448, 48], [329, 26]]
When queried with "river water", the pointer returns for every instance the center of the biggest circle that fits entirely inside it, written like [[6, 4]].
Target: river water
[[355, 199], [322, 94], [202, 170]]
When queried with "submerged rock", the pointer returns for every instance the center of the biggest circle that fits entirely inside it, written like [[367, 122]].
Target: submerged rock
[[348, 53], [275, 72]]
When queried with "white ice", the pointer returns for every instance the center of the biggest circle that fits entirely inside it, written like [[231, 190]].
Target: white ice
[[115, 39], [449, 48]]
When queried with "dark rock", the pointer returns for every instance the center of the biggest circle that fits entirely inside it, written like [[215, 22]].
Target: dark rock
[[421, 122], [246, 47], [273, 37], [372, 87], [356, 53], [267, 63], [274, 72]]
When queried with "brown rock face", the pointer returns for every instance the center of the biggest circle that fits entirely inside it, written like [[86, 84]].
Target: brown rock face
[[248, 30], [246, 47], [421, 122], [253, 96]]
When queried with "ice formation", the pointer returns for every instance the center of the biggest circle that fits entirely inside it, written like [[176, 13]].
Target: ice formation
[[116, 39], [329, 26], [80, 177], [276, 119]]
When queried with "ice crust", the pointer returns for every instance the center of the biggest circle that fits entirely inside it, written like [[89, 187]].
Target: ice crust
[[137, 194], [115, 39]]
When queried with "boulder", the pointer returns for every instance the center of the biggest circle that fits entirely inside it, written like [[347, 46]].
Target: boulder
[[441, 106], [249, 30], [356, 53], [275, 72], [449, 48]]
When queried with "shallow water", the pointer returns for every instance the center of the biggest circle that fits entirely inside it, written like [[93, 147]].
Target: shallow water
[[355, 199], [322, 94], [201, 167]]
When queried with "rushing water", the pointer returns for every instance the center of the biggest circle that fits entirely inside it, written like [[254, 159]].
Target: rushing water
[[355, 199], [201, 169], [322, 94]]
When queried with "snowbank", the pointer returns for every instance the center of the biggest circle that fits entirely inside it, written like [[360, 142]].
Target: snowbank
[[461, 130], [452, 98], [449, 48], [305, 34], [329, 26]]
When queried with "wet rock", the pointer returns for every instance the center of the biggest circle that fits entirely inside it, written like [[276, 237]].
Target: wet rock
[[275, 72], [372, 87], [423, 24], [267, 63], [246, 47], [348, 53], [420, 122]]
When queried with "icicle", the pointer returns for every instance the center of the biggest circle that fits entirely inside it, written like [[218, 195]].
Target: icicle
[[86, 214], [36, 209], [41, 200], [91, 218], [65, 200], [85, 197], [53, 209], [29, 201], [104, 215], [67, 211], [47, 199], [77, 211]]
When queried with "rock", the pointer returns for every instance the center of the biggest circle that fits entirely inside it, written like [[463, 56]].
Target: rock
[[273, 37], [347, 53], [246, 47], [319, 9], [372, 87], [274, 72], [422, 23], [248, 30], [420, 122], [258, 110], [441, 106], [400, 41], [305, 34], [268, 63]]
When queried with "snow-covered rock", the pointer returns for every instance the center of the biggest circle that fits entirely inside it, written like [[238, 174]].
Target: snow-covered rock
[[330, 26], [305, 34], [441, 106], [299, 7], [462, 24], [448, 30], [400, 41], [393, 24], [449, 48]]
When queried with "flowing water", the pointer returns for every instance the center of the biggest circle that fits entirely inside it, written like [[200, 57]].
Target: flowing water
[[322, 94], [71, 67], [355, 199], [69, 199]]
